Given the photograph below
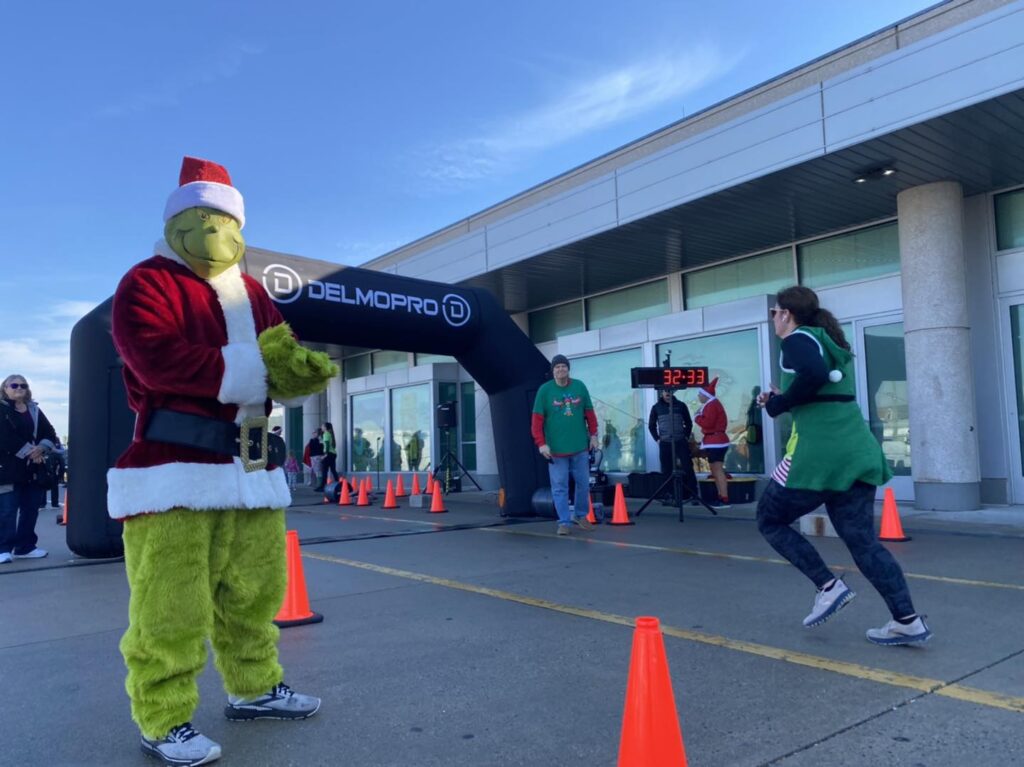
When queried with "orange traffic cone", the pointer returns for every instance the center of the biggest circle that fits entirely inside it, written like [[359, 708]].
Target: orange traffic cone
[[369, 484], [400, 488], [892, 530], [345, 499], [389, 498], [437, 502], [591, 518], [63, 520], [295, 610], [415, 484], [650, 725], [430, 484], [619, 514], [363, 500]]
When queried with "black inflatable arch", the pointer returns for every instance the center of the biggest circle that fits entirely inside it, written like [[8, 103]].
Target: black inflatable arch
[[324, 303]]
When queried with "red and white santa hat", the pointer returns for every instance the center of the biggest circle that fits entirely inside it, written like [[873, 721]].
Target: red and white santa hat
[[708, 389], [205, 184]]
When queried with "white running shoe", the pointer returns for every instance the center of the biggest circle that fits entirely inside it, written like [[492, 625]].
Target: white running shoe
[[896, 633], [828, 602], [280, 703], [183, 746], [36, 553], [5, 557]]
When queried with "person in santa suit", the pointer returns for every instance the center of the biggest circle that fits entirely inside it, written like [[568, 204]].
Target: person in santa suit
[[713, 422], [200, 489]]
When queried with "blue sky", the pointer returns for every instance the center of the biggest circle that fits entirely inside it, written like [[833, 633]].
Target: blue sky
[[350, 128]]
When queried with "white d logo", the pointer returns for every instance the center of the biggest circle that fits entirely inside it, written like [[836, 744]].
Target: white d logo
[[456, 310], [282, 283]]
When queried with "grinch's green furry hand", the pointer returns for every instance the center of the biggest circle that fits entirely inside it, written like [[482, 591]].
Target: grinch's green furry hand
[[292, 369]]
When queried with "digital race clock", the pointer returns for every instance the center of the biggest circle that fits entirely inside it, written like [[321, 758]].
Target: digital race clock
[[668, 377]]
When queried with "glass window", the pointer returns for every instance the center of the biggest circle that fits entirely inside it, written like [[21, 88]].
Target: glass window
[[410, 428], [621, 422], [636, 303], [549, 324], [385, 361], [1017, 342], [468, 425], [852, 256], [733, 358], [767, 273], [447, 439], [367, 431], [427, 359], [1010, 220], [888, 412], [356, 367]]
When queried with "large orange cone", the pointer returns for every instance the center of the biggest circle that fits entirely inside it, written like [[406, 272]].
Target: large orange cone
[[430, 484], [437, 501], [295, 610], [345, 499], [389, 498], [650, 725], [619, 514], [892, 529], [400, 488], [363, 500], [590, 514], [415, 484]]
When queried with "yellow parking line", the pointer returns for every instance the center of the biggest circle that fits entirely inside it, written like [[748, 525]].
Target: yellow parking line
[[922, 684], [746, 558]]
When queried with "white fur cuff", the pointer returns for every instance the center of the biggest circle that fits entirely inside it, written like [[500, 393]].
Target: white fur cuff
[[245, 375]]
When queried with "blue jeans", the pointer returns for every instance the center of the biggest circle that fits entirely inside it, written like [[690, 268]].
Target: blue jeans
[[18, 512], [561, 466]]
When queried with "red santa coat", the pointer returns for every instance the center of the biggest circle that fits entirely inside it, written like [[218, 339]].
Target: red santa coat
[[713, 422], [189, 345]]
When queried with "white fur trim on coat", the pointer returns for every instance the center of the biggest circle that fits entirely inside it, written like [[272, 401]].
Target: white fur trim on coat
[[244, 381], [206, 194], [201, 486]]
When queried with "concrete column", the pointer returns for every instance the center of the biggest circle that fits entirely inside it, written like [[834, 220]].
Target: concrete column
[[940, 384]]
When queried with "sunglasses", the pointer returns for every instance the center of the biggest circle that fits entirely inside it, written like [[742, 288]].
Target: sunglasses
[[17, 386], [773, 312]]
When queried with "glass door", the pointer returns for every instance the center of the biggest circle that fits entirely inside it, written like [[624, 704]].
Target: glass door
[[1012, 311], [882, 374]]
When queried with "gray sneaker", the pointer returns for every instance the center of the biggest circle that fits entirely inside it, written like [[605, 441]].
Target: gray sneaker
[[896, 633], [36, 553], [563, 529], [280, 703], [582, 523], [182, 746], [828, 603]]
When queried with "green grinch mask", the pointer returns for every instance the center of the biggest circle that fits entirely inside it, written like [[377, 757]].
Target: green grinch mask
[[208, 240]]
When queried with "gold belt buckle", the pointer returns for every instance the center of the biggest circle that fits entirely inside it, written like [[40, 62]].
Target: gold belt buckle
[[246, 442]]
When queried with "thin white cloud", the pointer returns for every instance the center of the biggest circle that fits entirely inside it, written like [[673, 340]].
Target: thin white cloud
[[222, 63], [357, 252], [43, 355], [608, 98]]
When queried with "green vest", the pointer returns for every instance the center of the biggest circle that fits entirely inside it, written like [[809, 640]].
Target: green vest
[[565, 428], [831, 446]]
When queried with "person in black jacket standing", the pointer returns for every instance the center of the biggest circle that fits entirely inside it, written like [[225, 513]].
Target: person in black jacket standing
[[670, 424], [26, 436]]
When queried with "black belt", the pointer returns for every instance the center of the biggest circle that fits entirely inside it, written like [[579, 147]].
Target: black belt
[[221, 437]]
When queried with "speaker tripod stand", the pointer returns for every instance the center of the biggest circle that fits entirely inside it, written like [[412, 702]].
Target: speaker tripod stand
[[446, 463]]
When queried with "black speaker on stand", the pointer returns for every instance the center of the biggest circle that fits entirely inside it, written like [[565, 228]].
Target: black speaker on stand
[[446, 418]]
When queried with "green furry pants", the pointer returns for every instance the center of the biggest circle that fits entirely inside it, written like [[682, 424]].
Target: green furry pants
[[198, 574]]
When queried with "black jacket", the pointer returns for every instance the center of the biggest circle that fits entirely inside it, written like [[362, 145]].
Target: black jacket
[[14, 433], [660, 410]]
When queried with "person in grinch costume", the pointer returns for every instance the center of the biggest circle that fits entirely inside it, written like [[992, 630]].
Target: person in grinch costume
[[201, 489], [832, 459]]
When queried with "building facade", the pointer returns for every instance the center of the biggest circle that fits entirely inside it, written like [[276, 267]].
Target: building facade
[[888, 176]]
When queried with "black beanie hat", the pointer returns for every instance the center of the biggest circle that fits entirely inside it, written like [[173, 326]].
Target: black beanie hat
[[560, 359]]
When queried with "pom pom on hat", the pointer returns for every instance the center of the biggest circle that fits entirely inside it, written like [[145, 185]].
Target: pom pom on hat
[[708, 389], [835, 376], [205, 184]]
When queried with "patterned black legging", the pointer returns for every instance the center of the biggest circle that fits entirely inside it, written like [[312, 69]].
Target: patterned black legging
[[852, 516]]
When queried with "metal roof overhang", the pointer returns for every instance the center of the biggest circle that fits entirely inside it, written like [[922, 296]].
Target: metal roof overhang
[[981, 146]]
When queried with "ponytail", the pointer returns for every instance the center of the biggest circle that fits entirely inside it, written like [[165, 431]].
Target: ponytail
[[802, 303], [824, 319]]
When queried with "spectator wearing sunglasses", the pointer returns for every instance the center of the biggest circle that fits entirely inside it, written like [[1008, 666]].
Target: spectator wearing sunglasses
[[26, 435]]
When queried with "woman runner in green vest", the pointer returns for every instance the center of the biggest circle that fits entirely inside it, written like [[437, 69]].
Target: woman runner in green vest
[[832, 459]]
